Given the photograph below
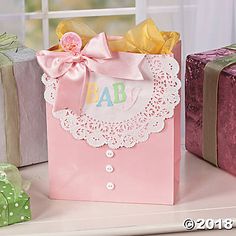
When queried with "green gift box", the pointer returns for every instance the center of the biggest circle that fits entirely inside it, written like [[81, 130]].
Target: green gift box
[[14, 201]]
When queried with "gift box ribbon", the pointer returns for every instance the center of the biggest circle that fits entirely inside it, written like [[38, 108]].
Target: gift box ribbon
[[11, 104], [212, 73], [8, 41], [9, 176], [14, 202], [100, 54]]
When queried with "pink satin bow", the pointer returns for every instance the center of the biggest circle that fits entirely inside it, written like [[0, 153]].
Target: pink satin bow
[[72, 70]]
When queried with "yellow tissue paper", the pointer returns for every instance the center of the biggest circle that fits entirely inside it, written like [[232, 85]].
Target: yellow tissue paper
[[144, 38]]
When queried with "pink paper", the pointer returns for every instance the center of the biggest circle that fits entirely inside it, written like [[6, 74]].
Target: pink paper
[[145, 173]]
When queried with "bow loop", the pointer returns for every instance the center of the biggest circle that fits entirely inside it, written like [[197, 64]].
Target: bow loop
[[55, 64], [97, 48]]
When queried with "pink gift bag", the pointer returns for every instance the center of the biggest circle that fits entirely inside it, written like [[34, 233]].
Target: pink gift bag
[[123, 143]]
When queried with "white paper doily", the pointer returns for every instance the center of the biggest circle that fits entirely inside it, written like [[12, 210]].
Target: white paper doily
[[128, 132]]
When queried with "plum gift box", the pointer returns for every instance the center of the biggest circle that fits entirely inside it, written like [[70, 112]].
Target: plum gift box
[[210, 106], [113, 114], [23, 138]]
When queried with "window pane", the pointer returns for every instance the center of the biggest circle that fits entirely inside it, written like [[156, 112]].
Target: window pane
[[162, 2], [32, 6], [8, 24], [167, 17], [112, 25], [60, 5], [169, 2], [166, 21], [12, 6], [33, 34]]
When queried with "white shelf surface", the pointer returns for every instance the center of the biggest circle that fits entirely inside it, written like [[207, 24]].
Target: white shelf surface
[[205, 192]]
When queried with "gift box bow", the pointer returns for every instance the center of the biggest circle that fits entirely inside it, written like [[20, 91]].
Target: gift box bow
[[14, 202], [10, 174], [8, 41], [71, 66]]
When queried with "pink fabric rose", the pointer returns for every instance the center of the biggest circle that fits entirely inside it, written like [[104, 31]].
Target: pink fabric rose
[[71, 42]]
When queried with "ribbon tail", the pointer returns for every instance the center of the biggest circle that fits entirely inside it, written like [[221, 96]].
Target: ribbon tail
[[71, 90], [83, 92]]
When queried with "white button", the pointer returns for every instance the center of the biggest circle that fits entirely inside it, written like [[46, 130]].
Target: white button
[[109, 153], [110, 186], [109, 168]]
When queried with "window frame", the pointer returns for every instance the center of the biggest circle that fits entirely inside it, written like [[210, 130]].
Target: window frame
[[140, 11], [45, 15]]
